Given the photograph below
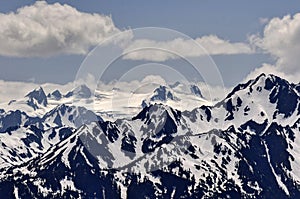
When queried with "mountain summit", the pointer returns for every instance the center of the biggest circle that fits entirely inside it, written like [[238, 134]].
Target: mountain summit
[[81, 91], [162, 93], [37, 98]]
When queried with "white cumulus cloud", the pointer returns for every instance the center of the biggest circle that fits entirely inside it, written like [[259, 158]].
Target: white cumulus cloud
[[42, 30], [145, 49], [280, 39]]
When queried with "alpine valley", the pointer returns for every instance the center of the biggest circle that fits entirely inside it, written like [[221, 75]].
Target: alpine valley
[[171, 143]]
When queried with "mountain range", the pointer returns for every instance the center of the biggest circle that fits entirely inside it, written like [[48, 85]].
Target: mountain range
[[246, 145]]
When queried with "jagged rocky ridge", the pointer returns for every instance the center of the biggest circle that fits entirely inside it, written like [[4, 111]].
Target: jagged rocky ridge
[[245, 146]]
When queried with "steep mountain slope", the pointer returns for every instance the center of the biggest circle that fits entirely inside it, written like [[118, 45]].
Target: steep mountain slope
[[23, 137]]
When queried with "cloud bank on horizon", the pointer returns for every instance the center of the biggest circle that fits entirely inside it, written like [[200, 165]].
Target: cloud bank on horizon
[[212, 45]]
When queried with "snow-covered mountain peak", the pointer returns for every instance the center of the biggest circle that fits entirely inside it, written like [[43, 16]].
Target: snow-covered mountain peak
[[195, 90], [155, 111], [162, 93], [37, 98], [81, 91], [56, 95], [264, 99], [262, 82], [71, 116]]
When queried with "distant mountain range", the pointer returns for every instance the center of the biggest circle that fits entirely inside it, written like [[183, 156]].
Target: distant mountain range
[[246, 145], [110, 104]]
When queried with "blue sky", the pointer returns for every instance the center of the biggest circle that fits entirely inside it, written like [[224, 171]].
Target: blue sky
[[232, 21]]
